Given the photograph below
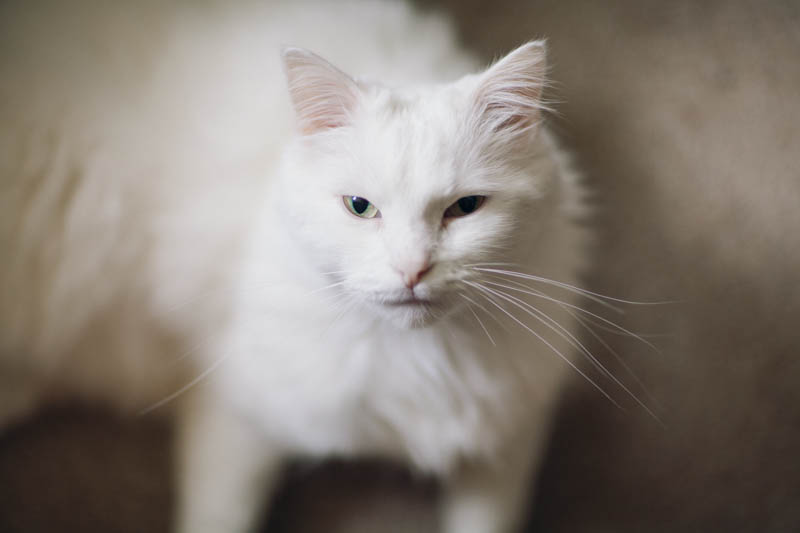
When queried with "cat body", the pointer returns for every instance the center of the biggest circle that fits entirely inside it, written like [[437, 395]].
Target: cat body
[[176, 221]]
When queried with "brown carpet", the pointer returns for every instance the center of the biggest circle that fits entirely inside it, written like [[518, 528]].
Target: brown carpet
[[685, 117]]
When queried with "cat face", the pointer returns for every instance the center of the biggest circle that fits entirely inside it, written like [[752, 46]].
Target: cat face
[[397, 193]]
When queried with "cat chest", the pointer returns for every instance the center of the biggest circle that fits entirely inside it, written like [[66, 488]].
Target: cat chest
[[432, 429], [420, 401]]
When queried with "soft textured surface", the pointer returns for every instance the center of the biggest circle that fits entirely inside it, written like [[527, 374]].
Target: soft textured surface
[[685, 118]]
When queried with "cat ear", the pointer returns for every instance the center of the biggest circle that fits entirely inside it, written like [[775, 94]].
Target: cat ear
[[508, 100], [322, 95]]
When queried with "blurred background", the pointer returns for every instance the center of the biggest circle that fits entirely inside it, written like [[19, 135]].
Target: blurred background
[[685, 118]]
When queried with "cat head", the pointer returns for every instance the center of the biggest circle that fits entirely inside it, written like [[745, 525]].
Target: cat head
[[398, 192]]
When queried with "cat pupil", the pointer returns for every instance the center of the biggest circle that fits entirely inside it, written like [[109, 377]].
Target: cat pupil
[[359, 204], [468, 204]]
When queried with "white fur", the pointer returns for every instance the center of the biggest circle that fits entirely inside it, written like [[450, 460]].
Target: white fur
[[160, 221]]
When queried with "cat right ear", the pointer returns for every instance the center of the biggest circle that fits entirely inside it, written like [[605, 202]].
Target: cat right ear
[[323, 96], [508, 100]]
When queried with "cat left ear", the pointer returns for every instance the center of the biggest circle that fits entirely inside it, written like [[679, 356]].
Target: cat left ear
[[508, 99], [323, 96]]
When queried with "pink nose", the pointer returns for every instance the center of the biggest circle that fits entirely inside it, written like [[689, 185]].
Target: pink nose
[[411, 277]]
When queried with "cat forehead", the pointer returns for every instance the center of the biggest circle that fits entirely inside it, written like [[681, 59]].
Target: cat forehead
[[432, 109], [413, 138]]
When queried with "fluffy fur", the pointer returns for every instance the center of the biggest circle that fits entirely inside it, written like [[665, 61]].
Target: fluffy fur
[[173, 221]]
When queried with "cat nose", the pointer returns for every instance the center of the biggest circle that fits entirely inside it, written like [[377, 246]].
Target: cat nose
[[412, 274]]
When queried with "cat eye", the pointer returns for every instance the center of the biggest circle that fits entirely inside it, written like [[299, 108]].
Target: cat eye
[[464, 206], [360, 207]]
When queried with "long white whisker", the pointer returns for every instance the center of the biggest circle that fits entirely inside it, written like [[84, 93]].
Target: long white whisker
[[192, 349], [613, 331], [542, 313], [538, 294], [482, 308], [553, 325], [252, 286], [599, 301], [616, 355], [546, 343], [346, 306], [326, 287], [331, 272], [186, 387], [580, 346], [218, 362], [470, 265], [564, 333], [575, 343], [480, 322], [572, 287]]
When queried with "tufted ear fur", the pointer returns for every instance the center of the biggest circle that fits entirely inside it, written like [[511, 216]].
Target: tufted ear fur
[[323, 96], [508, 99]]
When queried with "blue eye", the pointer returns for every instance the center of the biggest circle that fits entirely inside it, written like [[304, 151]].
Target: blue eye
[[464, 206], [360, 207]]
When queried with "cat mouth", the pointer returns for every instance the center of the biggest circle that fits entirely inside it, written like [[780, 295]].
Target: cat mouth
[[410, 302]]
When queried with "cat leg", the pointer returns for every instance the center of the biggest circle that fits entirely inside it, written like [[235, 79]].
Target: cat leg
[[226, 471], [490, 497]]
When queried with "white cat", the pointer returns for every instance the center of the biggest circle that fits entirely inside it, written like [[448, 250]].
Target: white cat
[[337, 288]]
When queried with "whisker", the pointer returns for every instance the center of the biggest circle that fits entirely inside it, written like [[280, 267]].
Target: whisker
[[616, 355], [480, 322], [491, 264], [482, 308], [553, 325], [186, 387], [588, 297], [575, 343], [538, 294], [613, 331], [545, 319], [195, 347], [346, 306], [249, 287], [332, 285], [573, 287], [192, 349], [548, 344], [448, 328]]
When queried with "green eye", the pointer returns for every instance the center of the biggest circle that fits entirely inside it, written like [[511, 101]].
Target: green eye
[[360, 207], [464, 206]]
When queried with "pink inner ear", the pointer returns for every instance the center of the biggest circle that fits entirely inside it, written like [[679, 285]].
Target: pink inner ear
[[518, 107], [509, 98], [323, 96]]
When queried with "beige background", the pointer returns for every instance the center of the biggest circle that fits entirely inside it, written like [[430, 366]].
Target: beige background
[[685, 117]]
